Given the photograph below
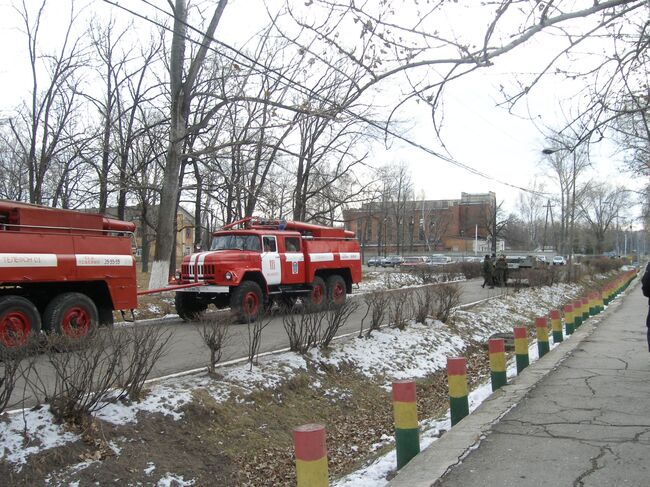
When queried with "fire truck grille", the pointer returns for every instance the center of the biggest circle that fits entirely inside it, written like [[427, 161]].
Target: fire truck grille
[[203, 271]]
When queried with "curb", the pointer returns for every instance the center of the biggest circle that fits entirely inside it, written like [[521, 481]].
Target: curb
[[452, 447]]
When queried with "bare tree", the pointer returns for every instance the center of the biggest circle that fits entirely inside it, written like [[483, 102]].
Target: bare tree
[[41, 128], [182, 85], [599, 207]]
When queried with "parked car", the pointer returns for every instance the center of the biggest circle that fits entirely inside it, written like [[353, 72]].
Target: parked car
[[374, 262], [413, 261], [559, 260], [514, 261], [439, 259], [392, 261]]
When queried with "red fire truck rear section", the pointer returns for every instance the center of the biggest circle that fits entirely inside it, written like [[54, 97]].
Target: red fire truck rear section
[[253, 262], [61, 271]]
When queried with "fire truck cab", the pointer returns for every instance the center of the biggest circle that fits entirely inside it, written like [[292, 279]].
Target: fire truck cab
[[253, 262]]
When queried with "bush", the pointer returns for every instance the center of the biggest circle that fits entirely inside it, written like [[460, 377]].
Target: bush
[[84, 374], [447, 298], [423, 302], [378, 303], [399, 308], [215, 335]]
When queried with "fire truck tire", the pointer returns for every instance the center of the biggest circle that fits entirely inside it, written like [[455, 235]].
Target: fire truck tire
[[247, 301], [18, 318], [318, 296], [188, 307], [336, 290], [72, 315]]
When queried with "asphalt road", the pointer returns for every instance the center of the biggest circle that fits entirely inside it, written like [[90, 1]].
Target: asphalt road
[[186, 350]]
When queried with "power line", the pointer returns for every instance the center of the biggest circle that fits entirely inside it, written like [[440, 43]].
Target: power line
[[304, 90]]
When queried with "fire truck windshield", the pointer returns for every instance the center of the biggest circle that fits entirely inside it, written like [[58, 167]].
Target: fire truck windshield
[[236, 242]]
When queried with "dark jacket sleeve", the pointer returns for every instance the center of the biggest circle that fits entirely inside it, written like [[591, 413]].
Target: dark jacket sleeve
[[645, 282]]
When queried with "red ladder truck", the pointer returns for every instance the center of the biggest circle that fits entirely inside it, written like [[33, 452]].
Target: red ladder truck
[[253, 262]]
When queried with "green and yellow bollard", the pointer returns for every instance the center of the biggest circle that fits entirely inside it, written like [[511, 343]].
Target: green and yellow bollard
[[457, 377], [541, 327], [556, 326], [592, 304], [569, 322], [497, 351], [521, 348], [407, 435], [311, 455]]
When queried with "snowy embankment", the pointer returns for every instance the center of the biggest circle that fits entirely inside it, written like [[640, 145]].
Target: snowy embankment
[[415, 352]]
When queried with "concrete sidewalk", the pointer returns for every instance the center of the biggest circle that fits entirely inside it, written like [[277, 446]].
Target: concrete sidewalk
[[580, 416]]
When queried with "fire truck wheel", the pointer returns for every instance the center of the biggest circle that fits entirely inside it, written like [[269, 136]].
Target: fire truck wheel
[[318, 295], [246, 301], [188, 307], [72, 315], [18, 317], [336, 290]]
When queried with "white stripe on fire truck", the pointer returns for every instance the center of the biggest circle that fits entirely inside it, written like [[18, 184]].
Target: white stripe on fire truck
[[295, 257], [350, 256], [28, 260], [321, 257], [103, 260]]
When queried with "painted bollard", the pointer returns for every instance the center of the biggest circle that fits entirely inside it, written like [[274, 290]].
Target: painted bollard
[[311, 455], [407, 435], [592, 304], [585, 309], [577, 314], [541, 327], [556, 326], [497, 351], [521, 348], [568, 319], [457, 378]]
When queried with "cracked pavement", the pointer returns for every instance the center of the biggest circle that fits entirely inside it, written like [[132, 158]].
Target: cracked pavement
[[582, 419]]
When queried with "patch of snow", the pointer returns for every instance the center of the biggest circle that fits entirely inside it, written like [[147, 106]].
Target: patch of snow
[[150, 468], [21, 436], [171, 480]]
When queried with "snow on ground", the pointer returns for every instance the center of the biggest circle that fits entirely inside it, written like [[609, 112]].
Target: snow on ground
[[380, 281], [416, 351], [30, 432]]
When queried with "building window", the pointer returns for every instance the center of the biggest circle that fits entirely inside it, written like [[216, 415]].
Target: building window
[[188, 232]]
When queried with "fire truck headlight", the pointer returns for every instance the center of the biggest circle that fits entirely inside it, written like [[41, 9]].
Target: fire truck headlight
[[228, 276], [178, 276]]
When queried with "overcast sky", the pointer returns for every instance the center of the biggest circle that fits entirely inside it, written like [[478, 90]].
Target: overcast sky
[[476, 132]]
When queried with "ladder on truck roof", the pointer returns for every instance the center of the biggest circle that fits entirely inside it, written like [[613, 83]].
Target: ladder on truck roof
[[305, 229]]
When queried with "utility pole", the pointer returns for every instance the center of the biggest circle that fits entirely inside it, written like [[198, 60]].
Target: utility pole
[[549, 211]]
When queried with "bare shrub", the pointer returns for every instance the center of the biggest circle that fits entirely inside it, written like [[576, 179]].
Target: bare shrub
[[255, 330], [470, 269], [144, 347], [447, 297], [215, 335], [10, 363], [426, 274], [84, 378], [542, 276], [397, 309], [303, 329], [85, 374], [335, 317], [379, 303], [423, 303]]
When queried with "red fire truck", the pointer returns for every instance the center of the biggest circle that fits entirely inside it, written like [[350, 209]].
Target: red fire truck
[[253, 262], [61, 271]]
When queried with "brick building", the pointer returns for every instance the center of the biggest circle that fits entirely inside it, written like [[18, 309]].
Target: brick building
[[421, 227]]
